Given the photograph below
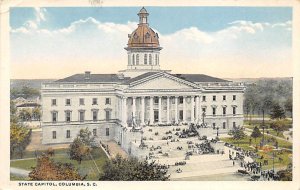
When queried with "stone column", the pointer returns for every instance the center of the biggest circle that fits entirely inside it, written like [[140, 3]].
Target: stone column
[[133, 106], [159, 109], [184, 109], [197, 108], [176, 109], [192, 109], [143, 111], [124, 111], [168, 109], [151, 110]]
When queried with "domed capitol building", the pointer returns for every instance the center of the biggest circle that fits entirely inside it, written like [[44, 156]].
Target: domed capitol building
[[125, 107]]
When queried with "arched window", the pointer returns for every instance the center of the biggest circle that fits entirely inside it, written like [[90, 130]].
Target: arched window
[[150, 59], [145, 59], [133, 61], [137, 59]]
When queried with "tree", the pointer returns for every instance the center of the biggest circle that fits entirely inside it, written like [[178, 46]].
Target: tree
[[81, 146], [47, 169], [13, 111], [288, 105], [277, 112], [86, 136], [36, 113], [255, 133], [25, 114], [131, 169], [279, 125], [237, 134], [19, 138], [78, 150]]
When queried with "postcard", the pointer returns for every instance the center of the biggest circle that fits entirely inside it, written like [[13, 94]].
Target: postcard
[[138, 94]]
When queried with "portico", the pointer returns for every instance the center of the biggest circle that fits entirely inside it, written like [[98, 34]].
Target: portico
[[159, 109]]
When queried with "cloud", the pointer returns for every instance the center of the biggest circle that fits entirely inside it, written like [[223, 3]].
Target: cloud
[[88, 44]]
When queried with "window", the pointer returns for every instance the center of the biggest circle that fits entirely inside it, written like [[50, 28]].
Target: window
[[95, 132], [107, 115], [53, 102], [156, 100], [95, 101], [214, 125], [133, 61], [156, 59], [95, 115], [224, 110], [54, 116], [233, 110], [234, 97], [53, 134], [137, 59], [180, 100], [150, 59], [203, 98], [107, 131], [233, 124], [214, 111], [68, 116], [214, 98], [81, 116], [68, 102], [81, 101], [224, 125], [224, 97], [68, 134], [145, 59], [107, 101]]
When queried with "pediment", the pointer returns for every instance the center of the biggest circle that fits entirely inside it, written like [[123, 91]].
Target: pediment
[[162, 81]]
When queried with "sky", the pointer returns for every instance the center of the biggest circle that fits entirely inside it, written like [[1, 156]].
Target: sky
[[225, 42]]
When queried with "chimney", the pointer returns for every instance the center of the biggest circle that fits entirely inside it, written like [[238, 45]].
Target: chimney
[[87, 75]]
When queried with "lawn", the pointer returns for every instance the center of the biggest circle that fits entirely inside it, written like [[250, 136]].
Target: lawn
[[271, 131], [87, 167], [284, 154]]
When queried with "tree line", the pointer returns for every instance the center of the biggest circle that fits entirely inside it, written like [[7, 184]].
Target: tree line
[[269, 97]]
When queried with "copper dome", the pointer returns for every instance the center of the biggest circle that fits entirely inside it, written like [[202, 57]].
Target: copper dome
[[143, 36]]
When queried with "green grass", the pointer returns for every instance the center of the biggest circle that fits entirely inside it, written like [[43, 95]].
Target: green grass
[[18, 178], [271, 131], [31, 154], [244, 144], [87, 167]]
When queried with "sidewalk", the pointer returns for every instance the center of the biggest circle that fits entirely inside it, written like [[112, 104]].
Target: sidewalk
[[19, 172]]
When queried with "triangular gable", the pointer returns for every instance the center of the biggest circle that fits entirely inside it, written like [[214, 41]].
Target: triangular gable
[[162, 80]]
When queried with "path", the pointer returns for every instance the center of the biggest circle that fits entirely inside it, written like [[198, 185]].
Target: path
[[19, 172], [115, 149]]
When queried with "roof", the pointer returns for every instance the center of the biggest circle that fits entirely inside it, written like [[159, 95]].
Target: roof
[[143, 36], [139, 77], [94, 78], [29, 105], [113, 78], [199, 78]]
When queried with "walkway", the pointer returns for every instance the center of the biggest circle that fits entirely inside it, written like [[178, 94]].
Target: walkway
[[115, 149], [19, 172]]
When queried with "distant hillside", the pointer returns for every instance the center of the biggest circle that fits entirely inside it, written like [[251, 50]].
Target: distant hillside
[[253, 80], [33, 83]]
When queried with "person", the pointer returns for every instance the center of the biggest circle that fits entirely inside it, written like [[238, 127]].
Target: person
[[233, 163]]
